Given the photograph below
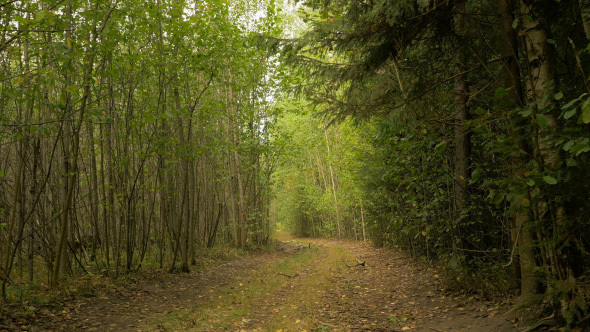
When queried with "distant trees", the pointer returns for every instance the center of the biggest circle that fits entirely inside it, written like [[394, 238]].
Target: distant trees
[[132, 133], [481, 113], [315, 193]]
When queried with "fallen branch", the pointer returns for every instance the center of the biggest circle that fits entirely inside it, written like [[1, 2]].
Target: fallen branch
[[513, 248], [359, 263], [326, 324], [547, 321], [288, 276]]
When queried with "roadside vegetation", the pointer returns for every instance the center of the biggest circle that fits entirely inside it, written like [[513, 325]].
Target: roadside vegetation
[[146, 136]]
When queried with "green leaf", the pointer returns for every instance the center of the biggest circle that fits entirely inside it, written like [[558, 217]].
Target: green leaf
[[498, 198], [586, 111], [568, 145], [569, 114], [510, 196], [525, 113], [476, 174], [525, 202], [492, 194], [3, 225], [517, 190], [571, 162], [568, 105], [530, 182], [549, 179], [72, 89], [500, 92], [551, 41], [41, 15], [541, 120], [558, 95], [440, 147], [515, 23], [2, 173]]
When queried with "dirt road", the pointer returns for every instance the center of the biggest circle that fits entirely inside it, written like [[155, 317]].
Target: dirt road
[[305, 285]]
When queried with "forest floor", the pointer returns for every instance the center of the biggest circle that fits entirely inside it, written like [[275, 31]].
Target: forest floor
[[303, 285]]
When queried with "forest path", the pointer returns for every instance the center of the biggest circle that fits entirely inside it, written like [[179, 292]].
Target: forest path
[[306, 285]]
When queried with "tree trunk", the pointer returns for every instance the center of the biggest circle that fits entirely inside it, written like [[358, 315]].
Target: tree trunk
[[585, 13], [338, 226], [67, 189], [242, 217], [524, 263], [462, 140], [93, 191], [363, 220], [540, 90]]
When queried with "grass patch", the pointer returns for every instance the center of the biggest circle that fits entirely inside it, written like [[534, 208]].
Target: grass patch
[[298, 312], [283, 295]]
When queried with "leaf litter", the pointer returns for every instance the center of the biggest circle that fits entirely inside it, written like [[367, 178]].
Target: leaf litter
[[389, 292]]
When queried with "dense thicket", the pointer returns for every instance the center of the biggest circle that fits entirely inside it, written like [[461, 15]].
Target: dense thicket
[[131, 132], [480, 113], [314, 187]]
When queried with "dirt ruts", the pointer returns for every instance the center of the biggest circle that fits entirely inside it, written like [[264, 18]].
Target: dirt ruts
[[303, 285]]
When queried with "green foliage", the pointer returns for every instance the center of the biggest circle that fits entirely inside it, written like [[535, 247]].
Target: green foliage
[[316, 186], [396, 63], [143, 107]]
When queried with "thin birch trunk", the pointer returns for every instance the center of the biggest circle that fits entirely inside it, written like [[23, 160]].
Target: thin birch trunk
[[540, 89], [338, 226]]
